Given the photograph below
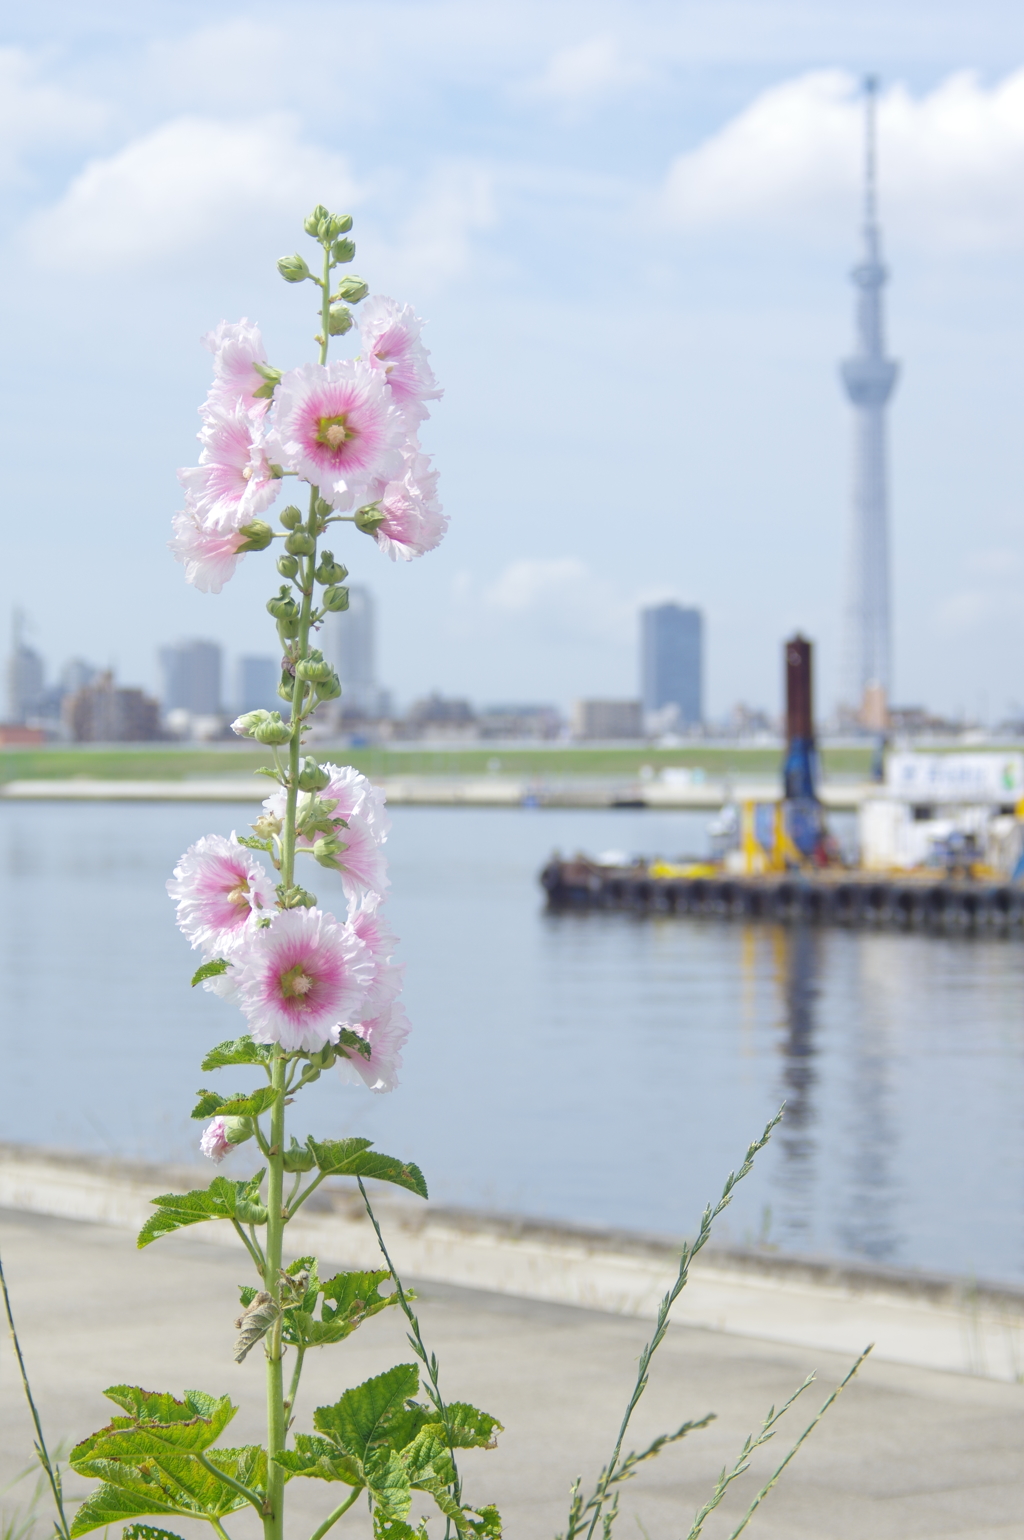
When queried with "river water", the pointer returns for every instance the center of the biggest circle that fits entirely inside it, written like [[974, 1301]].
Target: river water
[[597, 1068]]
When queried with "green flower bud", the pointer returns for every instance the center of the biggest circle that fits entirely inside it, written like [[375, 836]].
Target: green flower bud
[[293, 269], [341, 224], [328, 570], [343, 251], [267, 825], [339, 320], [273, 730], [313, 777], [311, 223], [257, 536], [286, 689], [369, 519], [327, 849], [300, 544], [297, 1157], [246, 724], [315, 669], [328, 689], [238, 1130], [335, 599], [287, 566], [283, 606], [352, 289], [295, 898], [291, 517]]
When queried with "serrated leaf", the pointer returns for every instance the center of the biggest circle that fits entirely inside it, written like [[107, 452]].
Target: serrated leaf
[[275, 775], [428, 1460], [349, 1039], [485, 1523], [156, 1421], [318, 1457], [146, 1532], [243, 1104], [385, 1528], [223, 1199], [388, 1481], [357, 1423], [238, 1050], [209, 970], [170, 1482], [353, 1157], [472, 1429]]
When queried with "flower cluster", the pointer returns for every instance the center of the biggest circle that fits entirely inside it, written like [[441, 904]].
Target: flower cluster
[[349, 428], [300, 976]]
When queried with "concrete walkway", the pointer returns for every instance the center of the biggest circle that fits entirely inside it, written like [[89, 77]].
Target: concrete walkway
[[906, 1452]]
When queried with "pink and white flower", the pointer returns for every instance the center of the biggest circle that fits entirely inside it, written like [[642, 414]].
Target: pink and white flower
[[337, 427], [210, 555], [371, 927], [215, 1143], [386, 1035], [412, 525], [351, 793], [218, 885], [234, 481], [390, 335], [236, 347], [361, 862], [301, 977]]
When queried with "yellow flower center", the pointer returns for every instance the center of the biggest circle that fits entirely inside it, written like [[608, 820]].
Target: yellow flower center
[[334, 432], [239, 894], [296, 983]]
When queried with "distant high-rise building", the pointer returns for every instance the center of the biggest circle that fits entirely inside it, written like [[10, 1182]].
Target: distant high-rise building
[[101, 712], [672, 647], [257, 683], [606, 719], [869, 378], [191, 674], [26, 686], [349, 642]]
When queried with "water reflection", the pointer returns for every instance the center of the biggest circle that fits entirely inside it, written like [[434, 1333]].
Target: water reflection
[[796, 965]]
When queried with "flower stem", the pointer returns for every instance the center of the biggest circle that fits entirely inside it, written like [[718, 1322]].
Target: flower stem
[[325, 305], [332, 1518], [277, 1424]]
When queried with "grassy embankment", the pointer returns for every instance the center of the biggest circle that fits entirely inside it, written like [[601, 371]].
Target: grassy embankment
[[166, 762]]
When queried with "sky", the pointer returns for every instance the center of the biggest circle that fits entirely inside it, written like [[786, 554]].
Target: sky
[[629, 227]]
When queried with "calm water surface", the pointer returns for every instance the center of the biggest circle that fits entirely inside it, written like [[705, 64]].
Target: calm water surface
[[594, 1067]]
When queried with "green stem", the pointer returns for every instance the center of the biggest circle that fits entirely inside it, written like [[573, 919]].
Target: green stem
[[293, 1388], [52, 1473], [257, 1259], [332, 1518], [273, 1521], [219, 1527], [300, 1200], [325, 304]]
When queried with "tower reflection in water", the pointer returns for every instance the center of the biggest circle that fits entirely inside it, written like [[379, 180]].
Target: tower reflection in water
[[834, 1187]]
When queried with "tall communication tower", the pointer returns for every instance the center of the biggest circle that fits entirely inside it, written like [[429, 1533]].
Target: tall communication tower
[[869, 378]]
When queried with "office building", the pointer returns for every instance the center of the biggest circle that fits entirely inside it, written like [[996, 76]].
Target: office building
[[102, 712], [191, 678], [26, 686], [256, 684], [672, 665], [599, 719], [349, 643]]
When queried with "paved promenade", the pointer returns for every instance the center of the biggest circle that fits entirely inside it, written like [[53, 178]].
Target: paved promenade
[[906, 1452]]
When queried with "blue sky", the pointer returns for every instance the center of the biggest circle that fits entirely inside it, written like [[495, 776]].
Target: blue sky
[[630, 228]]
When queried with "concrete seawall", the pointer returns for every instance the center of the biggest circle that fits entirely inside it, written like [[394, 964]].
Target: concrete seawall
[[926, 1321]]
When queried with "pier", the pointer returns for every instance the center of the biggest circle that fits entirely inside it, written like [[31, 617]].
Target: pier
[[932, 902]]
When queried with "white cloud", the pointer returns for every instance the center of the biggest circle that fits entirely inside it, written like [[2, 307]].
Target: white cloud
[[190, 182], [951, 161], [35, 114], [435, 241], [587, 72]]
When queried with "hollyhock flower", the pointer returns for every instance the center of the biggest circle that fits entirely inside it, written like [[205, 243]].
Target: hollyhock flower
[[218, 885], [214, 1144], [371, 927], [210, 555], [390, 334], [336, 426], [411, 524], [234, 481], [386, 1035], [351, 793], [236, 346], [301, 977], [361, 862]]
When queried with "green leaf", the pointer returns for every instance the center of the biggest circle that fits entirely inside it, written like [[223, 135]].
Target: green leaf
[[238, 1050], [428, 1460], [353, 1157], [318, 1457], [358, 1422], [388, 1481], [275, 775], [350, 1039], [487, 1522], [472, 1429], [209, 970], [252, 842], [146, 1532], [155, 1422], [223, 1199], [243, 1104], [385, 1528], [171, 1482], [349, 1299]]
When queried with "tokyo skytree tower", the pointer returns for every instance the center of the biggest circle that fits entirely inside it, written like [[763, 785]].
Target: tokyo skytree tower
[[869, 378]]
